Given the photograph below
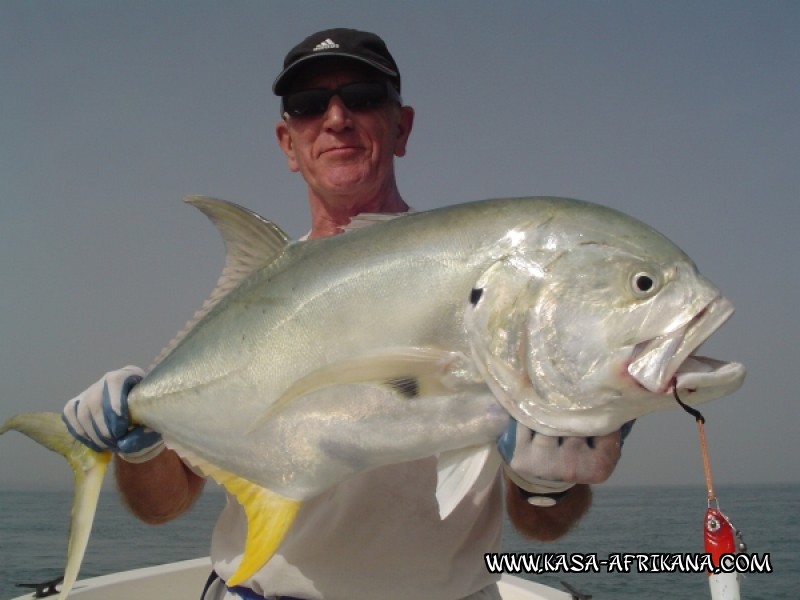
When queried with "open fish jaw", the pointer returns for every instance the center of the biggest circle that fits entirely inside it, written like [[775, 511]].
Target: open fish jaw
[[668, 361], [700, 376]]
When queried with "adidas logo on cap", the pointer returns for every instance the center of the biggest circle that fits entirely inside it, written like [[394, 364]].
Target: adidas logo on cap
[[328, 44]]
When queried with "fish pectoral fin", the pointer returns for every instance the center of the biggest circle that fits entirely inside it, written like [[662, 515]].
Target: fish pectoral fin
[[458, 471], [411, 372], [88, 468], [269, 516]]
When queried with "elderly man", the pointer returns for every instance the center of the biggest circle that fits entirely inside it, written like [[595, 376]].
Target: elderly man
[[377, 535]]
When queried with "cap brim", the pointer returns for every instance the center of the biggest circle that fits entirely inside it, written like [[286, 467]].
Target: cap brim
[[282, 81]]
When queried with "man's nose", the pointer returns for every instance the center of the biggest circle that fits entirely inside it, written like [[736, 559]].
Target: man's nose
[[337, 115]]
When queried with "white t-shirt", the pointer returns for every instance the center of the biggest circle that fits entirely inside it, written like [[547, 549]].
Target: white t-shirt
[[376, 536]]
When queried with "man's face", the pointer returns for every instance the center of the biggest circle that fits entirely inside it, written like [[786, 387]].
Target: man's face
[[344, 152]]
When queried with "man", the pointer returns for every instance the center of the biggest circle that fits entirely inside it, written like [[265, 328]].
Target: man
[[377, 535]]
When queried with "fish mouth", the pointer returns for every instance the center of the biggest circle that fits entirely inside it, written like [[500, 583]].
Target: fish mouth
[[669, 363]]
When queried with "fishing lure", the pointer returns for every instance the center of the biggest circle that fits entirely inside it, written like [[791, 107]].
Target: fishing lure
[[720, 537]]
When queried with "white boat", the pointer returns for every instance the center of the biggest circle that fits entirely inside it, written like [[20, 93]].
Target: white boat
[[184, 580]]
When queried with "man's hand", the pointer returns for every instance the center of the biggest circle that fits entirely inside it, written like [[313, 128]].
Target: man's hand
[[547, 476], [98, 418], [545, 466]]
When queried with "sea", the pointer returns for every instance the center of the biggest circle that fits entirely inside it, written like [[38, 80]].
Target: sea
[[634, 521]]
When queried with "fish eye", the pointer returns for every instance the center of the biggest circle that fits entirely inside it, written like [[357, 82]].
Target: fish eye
[[644, 284]]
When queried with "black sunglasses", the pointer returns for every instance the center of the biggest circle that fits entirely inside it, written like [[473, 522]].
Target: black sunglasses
[[358, 96]]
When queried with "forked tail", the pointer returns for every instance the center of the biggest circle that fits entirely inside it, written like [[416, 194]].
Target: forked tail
[[88, 468]]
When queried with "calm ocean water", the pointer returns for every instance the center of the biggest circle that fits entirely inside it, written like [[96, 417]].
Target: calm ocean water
[[33, 529]]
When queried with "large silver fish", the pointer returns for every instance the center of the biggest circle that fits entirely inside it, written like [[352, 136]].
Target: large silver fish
[[575, 317]]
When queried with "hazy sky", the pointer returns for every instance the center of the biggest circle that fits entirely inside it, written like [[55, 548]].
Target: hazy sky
[[684, 114]]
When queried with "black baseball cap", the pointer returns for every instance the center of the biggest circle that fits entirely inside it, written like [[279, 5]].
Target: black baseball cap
[[361, 46]]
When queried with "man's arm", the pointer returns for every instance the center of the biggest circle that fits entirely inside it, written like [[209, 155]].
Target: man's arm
[[547, 523], [158, 490]]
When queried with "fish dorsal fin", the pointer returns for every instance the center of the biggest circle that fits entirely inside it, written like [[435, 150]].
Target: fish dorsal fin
[[269, 515], [365, 220], [251, 243]]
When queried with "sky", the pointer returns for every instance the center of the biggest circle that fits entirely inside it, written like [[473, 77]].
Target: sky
[[683, 114]]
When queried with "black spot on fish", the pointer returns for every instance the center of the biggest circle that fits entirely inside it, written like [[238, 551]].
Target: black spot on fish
[[590, 442], [560, 441], [475, 295], [408, 387]]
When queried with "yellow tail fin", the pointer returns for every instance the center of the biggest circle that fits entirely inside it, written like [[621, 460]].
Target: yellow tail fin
[[269, 515], [88, 468]]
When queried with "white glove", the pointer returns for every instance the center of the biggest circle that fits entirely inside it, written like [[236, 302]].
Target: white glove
[[546, 467], [98, 418]]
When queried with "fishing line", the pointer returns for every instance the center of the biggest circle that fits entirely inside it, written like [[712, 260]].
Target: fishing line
[[712, 497], [720, 589]]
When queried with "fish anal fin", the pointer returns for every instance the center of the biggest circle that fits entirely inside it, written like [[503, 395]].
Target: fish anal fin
[[88, 467], [269, 516], [409, 371]]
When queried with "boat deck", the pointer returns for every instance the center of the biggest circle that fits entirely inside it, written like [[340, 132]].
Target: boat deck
[[185, 581]]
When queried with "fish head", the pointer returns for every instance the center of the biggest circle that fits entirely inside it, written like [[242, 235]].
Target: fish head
[[580, 334]]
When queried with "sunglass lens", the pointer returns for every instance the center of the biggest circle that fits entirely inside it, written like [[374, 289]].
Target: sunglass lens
[[363, 96], [355, 96], [307, 103]]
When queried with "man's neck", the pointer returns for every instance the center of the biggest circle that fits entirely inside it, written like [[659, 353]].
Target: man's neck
[[329, 216]]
